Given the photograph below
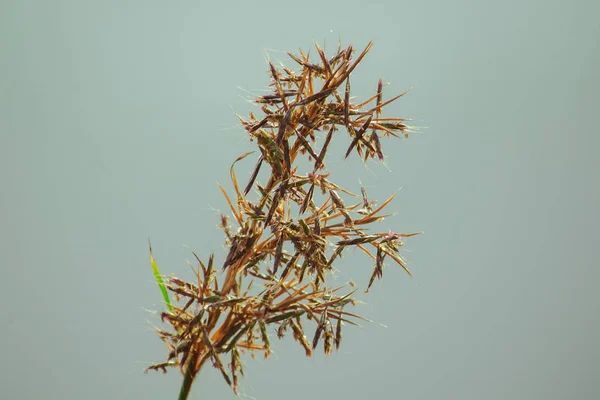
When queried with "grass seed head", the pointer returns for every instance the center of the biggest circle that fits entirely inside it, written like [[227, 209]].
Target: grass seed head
[[287, 237]]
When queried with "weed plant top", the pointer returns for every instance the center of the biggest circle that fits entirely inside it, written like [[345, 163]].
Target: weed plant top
[[284, 234]]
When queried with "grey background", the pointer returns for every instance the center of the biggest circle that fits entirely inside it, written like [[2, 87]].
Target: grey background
[[117, 119]]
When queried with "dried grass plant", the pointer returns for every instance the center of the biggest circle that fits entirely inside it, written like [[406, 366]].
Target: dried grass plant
[[280, 255]]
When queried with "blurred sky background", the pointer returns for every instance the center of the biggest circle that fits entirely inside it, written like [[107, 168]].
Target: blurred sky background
[[117, 120]]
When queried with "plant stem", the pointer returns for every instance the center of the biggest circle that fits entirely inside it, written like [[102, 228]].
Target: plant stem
[[188, 378]]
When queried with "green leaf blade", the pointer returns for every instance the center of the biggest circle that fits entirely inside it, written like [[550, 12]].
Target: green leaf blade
[[159, 280]]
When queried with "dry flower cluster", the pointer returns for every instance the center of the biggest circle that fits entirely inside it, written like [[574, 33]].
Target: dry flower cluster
[[280, 256]]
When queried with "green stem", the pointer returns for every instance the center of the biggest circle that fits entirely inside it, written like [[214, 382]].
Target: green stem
[[188, 378]]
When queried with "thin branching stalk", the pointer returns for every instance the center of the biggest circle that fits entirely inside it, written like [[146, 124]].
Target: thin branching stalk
[[288, 230]]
